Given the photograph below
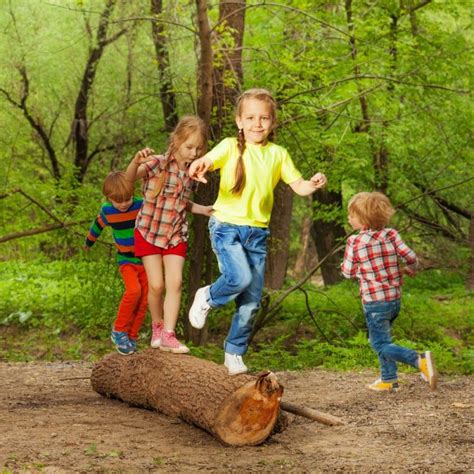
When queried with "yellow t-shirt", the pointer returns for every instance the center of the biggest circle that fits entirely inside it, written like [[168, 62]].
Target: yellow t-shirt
[[264, 165]]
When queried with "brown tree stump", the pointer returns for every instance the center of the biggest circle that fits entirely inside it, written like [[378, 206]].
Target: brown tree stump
[[237, 410]]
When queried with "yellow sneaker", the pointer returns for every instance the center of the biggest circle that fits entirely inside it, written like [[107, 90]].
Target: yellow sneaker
[[381, 386], [427, 369]]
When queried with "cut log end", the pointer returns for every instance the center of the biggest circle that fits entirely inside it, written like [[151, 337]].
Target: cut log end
[[248, 416]]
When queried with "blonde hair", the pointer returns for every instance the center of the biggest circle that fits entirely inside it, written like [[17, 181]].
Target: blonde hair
[[117, 187], [188, 125], [257, 94], [374, 210]]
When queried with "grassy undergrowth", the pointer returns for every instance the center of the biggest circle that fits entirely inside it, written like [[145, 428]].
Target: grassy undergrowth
[[64, 309]]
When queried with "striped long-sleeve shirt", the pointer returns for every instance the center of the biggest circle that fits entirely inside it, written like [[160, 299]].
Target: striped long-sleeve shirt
[[123, 225], [372, 256]]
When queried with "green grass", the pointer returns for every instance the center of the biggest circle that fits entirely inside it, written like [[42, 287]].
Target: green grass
[[64, 309]]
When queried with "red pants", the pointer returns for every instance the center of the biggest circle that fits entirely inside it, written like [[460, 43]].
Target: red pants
[[132, 308]]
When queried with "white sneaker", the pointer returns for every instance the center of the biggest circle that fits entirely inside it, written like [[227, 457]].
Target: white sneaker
[[199, 309], [235, 364]]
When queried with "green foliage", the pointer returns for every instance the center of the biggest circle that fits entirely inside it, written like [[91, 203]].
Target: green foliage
[[59, 294], [64, 309], [412, 69]]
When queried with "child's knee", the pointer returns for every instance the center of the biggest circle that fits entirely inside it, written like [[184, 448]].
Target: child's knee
[[133, 291], [156, 289], [239, 281], [174, 285]]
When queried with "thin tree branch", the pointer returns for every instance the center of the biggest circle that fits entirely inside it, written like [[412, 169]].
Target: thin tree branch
[[311, 315], [285, 7], [432, 191], [39, 230]]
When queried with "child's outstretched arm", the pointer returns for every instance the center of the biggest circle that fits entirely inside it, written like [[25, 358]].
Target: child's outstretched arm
[[136, 168], [306, 187], [200, 209], [95, 230], [199, 168]]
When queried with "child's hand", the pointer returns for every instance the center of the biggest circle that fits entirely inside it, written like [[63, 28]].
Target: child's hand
[[198, 168], [207, 211], [200, 209], [319, 180], [143, 156], [86, 248], [408, 271]]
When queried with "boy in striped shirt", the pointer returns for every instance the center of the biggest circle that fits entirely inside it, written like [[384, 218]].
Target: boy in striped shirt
[[119, 212], [373, 257]]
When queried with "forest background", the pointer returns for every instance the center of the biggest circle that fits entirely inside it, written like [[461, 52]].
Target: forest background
[[374, 93]]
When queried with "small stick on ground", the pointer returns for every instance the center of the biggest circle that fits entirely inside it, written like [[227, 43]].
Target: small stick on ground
[[312, 414]]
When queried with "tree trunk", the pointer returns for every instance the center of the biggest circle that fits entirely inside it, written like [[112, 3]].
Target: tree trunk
[[237, 410], [228, 72], [167, 96], [80, 125], [201, 260], [307, 256], [470, 274], [200, 270], [278, 245], [326, 236], [205, 67]]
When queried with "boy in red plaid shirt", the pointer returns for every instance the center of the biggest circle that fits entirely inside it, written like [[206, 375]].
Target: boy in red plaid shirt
[[372, 256]]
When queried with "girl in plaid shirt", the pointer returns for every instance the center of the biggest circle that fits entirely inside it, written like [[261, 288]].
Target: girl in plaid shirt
[[372, 256], [161, 227]]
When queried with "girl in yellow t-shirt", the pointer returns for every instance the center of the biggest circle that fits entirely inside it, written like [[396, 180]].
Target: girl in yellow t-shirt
[[250, 168]]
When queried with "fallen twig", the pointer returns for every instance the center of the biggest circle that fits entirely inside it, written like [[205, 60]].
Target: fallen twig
[[312, 414]]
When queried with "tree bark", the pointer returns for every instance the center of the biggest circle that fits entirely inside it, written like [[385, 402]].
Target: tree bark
[[470, 273], [326, 235], [167, 96], [278, 245], [237, 410], [205, 67], [307, 256], [200, 270], [228, 72]]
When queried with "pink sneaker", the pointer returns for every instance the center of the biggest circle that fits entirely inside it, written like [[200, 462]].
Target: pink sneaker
[[169, 343], [157, 330]]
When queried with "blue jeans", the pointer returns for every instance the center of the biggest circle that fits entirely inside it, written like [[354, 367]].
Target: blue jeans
[[241, 252], [380, 316]]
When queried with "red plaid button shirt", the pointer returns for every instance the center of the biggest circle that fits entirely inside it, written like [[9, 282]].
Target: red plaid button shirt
[[162, 220], [373, 258]]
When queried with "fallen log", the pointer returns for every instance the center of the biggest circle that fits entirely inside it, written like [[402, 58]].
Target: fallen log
[[239, 410]]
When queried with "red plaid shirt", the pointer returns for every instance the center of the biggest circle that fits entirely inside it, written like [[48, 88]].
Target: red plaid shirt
[[162, 220], [372, 256]]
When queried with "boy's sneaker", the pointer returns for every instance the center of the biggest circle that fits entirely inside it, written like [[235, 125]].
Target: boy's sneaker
[[427, 369], [235, 364], [156, 331], [122, 342], [169, 343], [133, 343], [381, 386], [199, 309]]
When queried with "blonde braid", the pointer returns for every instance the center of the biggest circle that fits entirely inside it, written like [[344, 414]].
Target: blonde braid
[[240, 167]]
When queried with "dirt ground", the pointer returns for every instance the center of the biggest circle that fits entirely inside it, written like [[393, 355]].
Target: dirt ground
[[51, 421]]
